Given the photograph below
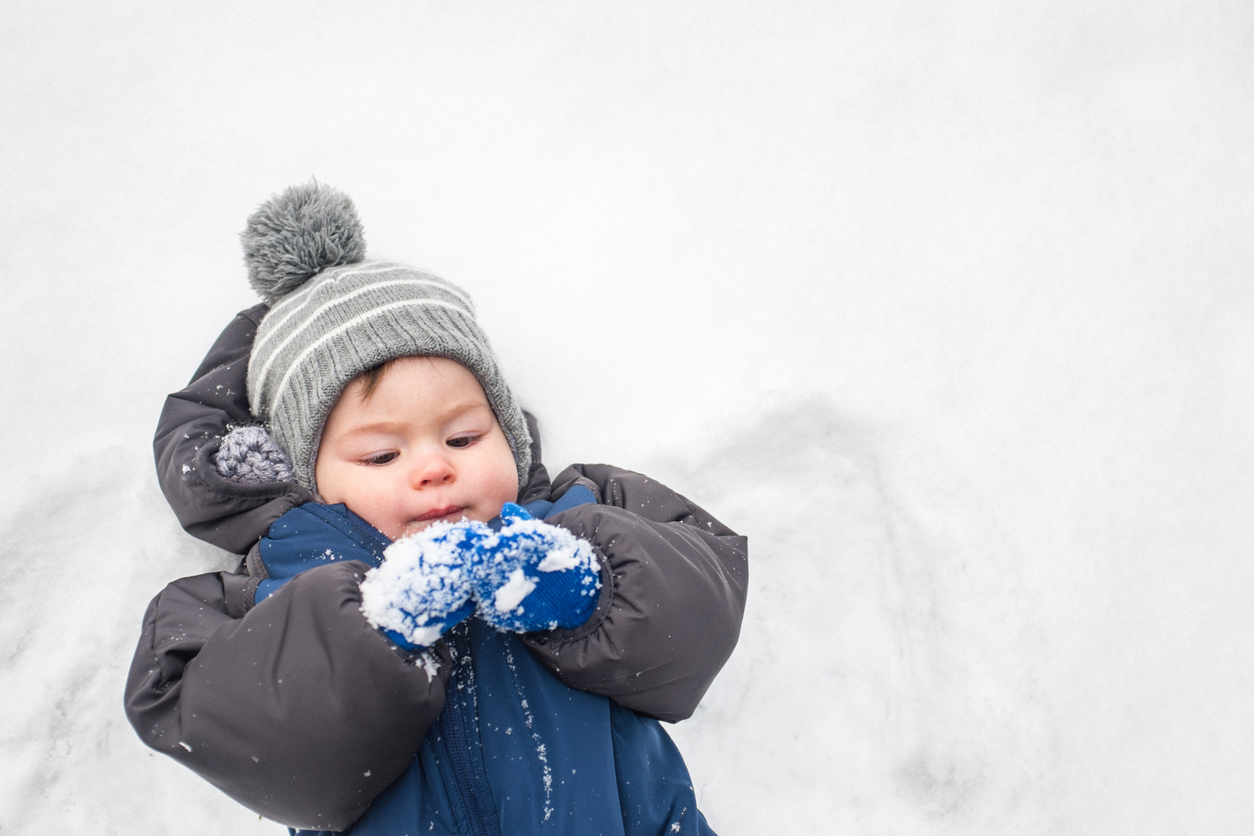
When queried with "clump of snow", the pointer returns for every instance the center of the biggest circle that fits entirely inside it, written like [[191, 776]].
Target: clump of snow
[[429, 664], [423, 579], [559, 560], [512, 593]]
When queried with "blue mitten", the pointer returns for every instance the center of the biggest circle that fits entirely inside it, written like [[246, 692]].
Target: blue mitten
[[533, 576], [423, 587]]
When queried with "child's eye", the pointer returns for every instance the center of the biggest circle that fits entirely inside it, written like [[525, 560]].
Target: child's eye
[[381, 458], [462, 441]]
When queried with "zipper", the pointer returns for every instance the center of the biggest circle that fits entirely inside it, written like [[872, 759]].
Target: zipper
[[456, 722]]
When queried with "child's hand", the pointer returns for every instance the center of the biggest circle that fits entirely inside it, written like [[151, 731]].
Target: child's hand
[[423, 587], [534, 576]]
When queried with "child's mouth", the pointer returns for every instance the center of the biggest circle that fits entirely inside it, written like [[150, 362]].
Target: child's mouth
[[440, 513]]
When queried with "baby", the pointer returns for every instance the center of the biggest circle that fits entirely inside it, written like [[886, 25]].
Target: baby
[[427, 634]]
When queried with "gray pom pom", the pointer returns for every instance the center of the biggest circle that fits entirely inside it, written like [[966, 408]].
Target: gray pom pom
[[298, 234]]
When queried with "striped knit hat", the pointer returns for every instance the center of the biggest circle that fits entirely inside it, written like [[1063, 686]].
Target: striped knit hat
[[333, 316]]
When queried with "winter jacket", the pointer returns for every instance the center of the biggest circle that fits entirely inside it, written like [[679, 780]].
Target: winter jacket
[[220, 683]]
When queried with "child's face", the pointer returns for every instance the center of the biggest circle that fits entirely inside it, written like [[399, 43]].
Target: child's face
[[424, 446]]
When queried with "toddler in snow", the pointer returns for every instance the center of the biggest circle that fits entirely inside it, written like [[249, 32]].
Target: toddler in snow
[[426, 634]]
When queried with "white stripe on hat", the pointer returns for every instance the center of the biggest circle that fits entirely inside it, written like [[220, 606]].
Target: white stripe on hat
[[334, 274], [311, 284], [282, 387], [265, 369]]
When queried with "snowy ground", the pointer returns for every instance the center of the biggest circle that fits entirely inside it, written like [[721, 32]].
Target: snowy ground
[[947, 306]]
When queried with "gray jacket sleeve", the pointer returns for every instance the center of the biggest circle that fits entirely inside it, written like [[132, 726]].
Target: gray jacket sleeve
[[230, 515], [673, 595], [297, 708]]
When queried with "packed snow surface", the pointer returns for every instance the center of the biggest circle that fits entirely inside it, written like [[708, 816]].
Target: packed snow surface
[[945, 306]]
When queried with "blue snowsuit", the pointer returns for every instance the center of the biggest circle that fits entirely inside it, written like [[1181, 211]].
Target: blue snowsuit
[[514, 750]]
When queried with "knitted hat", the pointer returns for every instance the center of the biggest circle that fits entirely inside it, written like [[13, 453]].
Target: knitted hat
[[334, 316]]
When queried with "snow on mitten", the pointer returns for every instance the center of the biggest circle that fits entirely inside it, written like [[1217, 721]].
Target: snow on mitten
[[423, 587], [533, 576]]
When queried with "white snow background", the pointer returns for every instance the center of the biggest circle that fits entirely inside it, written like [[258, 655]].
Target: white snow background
[[946, 305]]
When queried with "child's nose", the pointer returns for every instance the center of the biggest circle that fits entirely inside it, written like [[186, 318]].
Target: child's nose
[[431, 470]]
